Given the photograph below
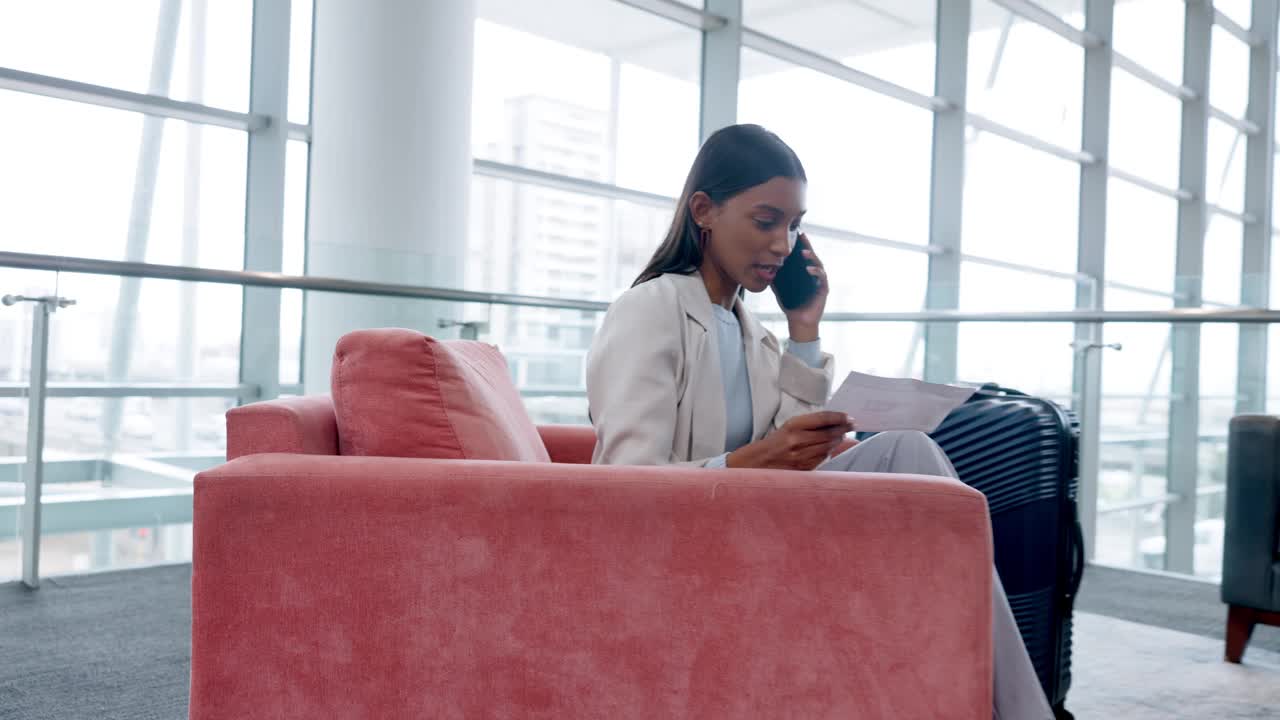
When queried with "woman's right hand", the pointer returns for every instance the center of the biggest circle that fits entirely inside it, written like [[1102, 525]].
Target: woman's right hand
[[802, 443]]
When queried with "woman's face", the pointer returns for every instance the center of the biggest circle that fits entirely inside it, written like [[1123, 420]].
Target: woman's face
[[753, 231]]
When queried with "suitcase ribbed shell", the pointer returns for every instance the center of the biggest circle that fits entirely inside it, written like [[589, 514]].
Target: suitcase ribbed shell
[[1021, 452]]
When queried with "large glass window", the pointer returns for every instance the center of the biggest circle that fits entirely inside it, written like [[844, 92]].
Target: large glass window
[[133, 45], [1141, 246], [867, 158], [118, 470], [560, 97], [871, 278], [1224, 181], [533, 240], [609, 93], [1218, 373], [893, 41], [1020, 204], [866, 155], [300, 61], [1228, 73], [867, 278], [1223, 243], [1151, 33], [1145, 130], [161, 191], [1031, 357], [1070, 11], [1034, 358], [1024, 76], [293, 260], [1133, 438], [1142, 239], [614, 108], [1241, 11], [83, 180]]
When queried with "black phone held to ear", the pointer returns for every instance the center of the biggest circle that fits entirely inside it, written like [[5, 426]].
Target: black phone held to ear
[[794, 286]]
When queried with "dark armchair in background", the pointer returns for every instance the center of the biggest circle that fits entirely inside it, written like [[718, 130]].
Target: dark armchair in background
[[1251, 551]]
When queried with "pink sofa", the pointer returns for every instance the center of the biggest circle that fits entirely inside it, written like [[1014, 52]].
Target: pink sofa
[[331, 586]]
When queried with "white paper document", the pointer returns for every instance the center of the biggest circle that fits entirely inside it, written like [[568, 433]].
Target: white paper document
[[877, 404]]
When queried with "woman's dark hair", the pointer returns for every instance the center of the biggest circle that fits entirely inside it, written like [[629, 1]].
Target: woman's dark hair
[[733, 159]]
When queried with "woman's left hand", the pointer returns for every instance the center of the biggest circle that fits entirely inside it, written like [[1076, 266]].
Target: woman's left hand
[[803, 321]]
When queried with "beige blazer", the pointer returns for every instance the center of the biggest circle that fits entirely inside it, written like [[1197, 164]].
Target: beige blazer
[[654, 390]]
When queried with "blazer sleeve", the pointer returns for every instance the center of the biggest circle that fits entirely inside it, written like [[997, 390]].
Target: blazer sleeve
[[633, 372], [804, 389]]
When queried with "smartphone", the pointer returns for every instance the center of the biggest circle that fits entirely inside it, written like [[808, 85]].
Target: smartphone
[[793, 284]]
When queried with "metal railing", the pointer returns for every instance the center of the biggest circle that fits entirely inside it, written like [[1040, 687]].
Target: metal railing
[[1149, 502], [151, 271], [39, 387], [241, 391]]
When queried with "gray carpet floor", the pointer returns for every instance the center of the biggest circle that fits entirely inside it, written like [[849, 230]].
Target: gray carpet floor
[[1168, 602], [104, 646], [1144, 672], [117, 645]]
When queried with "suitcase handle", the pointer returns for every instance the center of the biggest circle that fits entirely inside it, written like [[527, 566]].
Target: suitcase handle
[[997, 389], [1077, 569]]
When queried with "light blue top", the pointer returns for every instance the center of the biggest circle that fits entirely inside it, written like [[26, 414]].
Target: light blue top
[[737, 385]]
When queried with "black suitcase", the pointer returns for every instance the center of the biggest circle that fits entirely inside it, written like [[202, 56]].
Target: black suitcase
[[1022, 453]]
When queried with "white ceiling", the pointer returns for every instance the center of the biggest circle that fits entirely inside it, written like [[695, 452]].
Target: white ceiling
[[835, 28]]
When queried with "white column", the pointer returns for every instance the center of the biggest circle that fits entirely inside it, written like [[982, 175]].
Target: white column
[[1184, 409], [721, 68], [946, 187], [264, 198], [1091, 260], [1259, 170], [390, 163]]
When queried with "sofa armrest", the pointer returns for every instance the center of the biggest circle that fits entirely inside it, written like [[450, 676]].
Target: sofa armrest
[[304, 425], [392, 587], [576, 444], [571, 444], [1252, 515]]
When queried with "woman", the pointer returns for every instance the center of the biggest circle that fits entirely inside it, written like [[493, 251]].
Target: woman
[[681, 373]]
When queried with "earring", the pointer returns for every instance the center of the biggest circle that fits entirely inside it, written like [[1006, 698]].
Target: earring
[[703, 238]]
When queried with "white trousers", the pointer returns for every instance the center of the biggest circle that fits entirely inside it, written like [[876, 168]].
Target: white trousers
[[1018, 695]]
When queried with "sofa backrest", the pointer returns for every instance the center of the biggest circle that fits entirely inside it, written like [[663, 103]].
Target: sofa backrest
[[399, 393]]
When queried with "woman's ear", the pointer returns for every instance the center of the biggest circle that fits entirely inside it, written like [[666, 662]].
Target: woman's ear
[[701, 208]]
